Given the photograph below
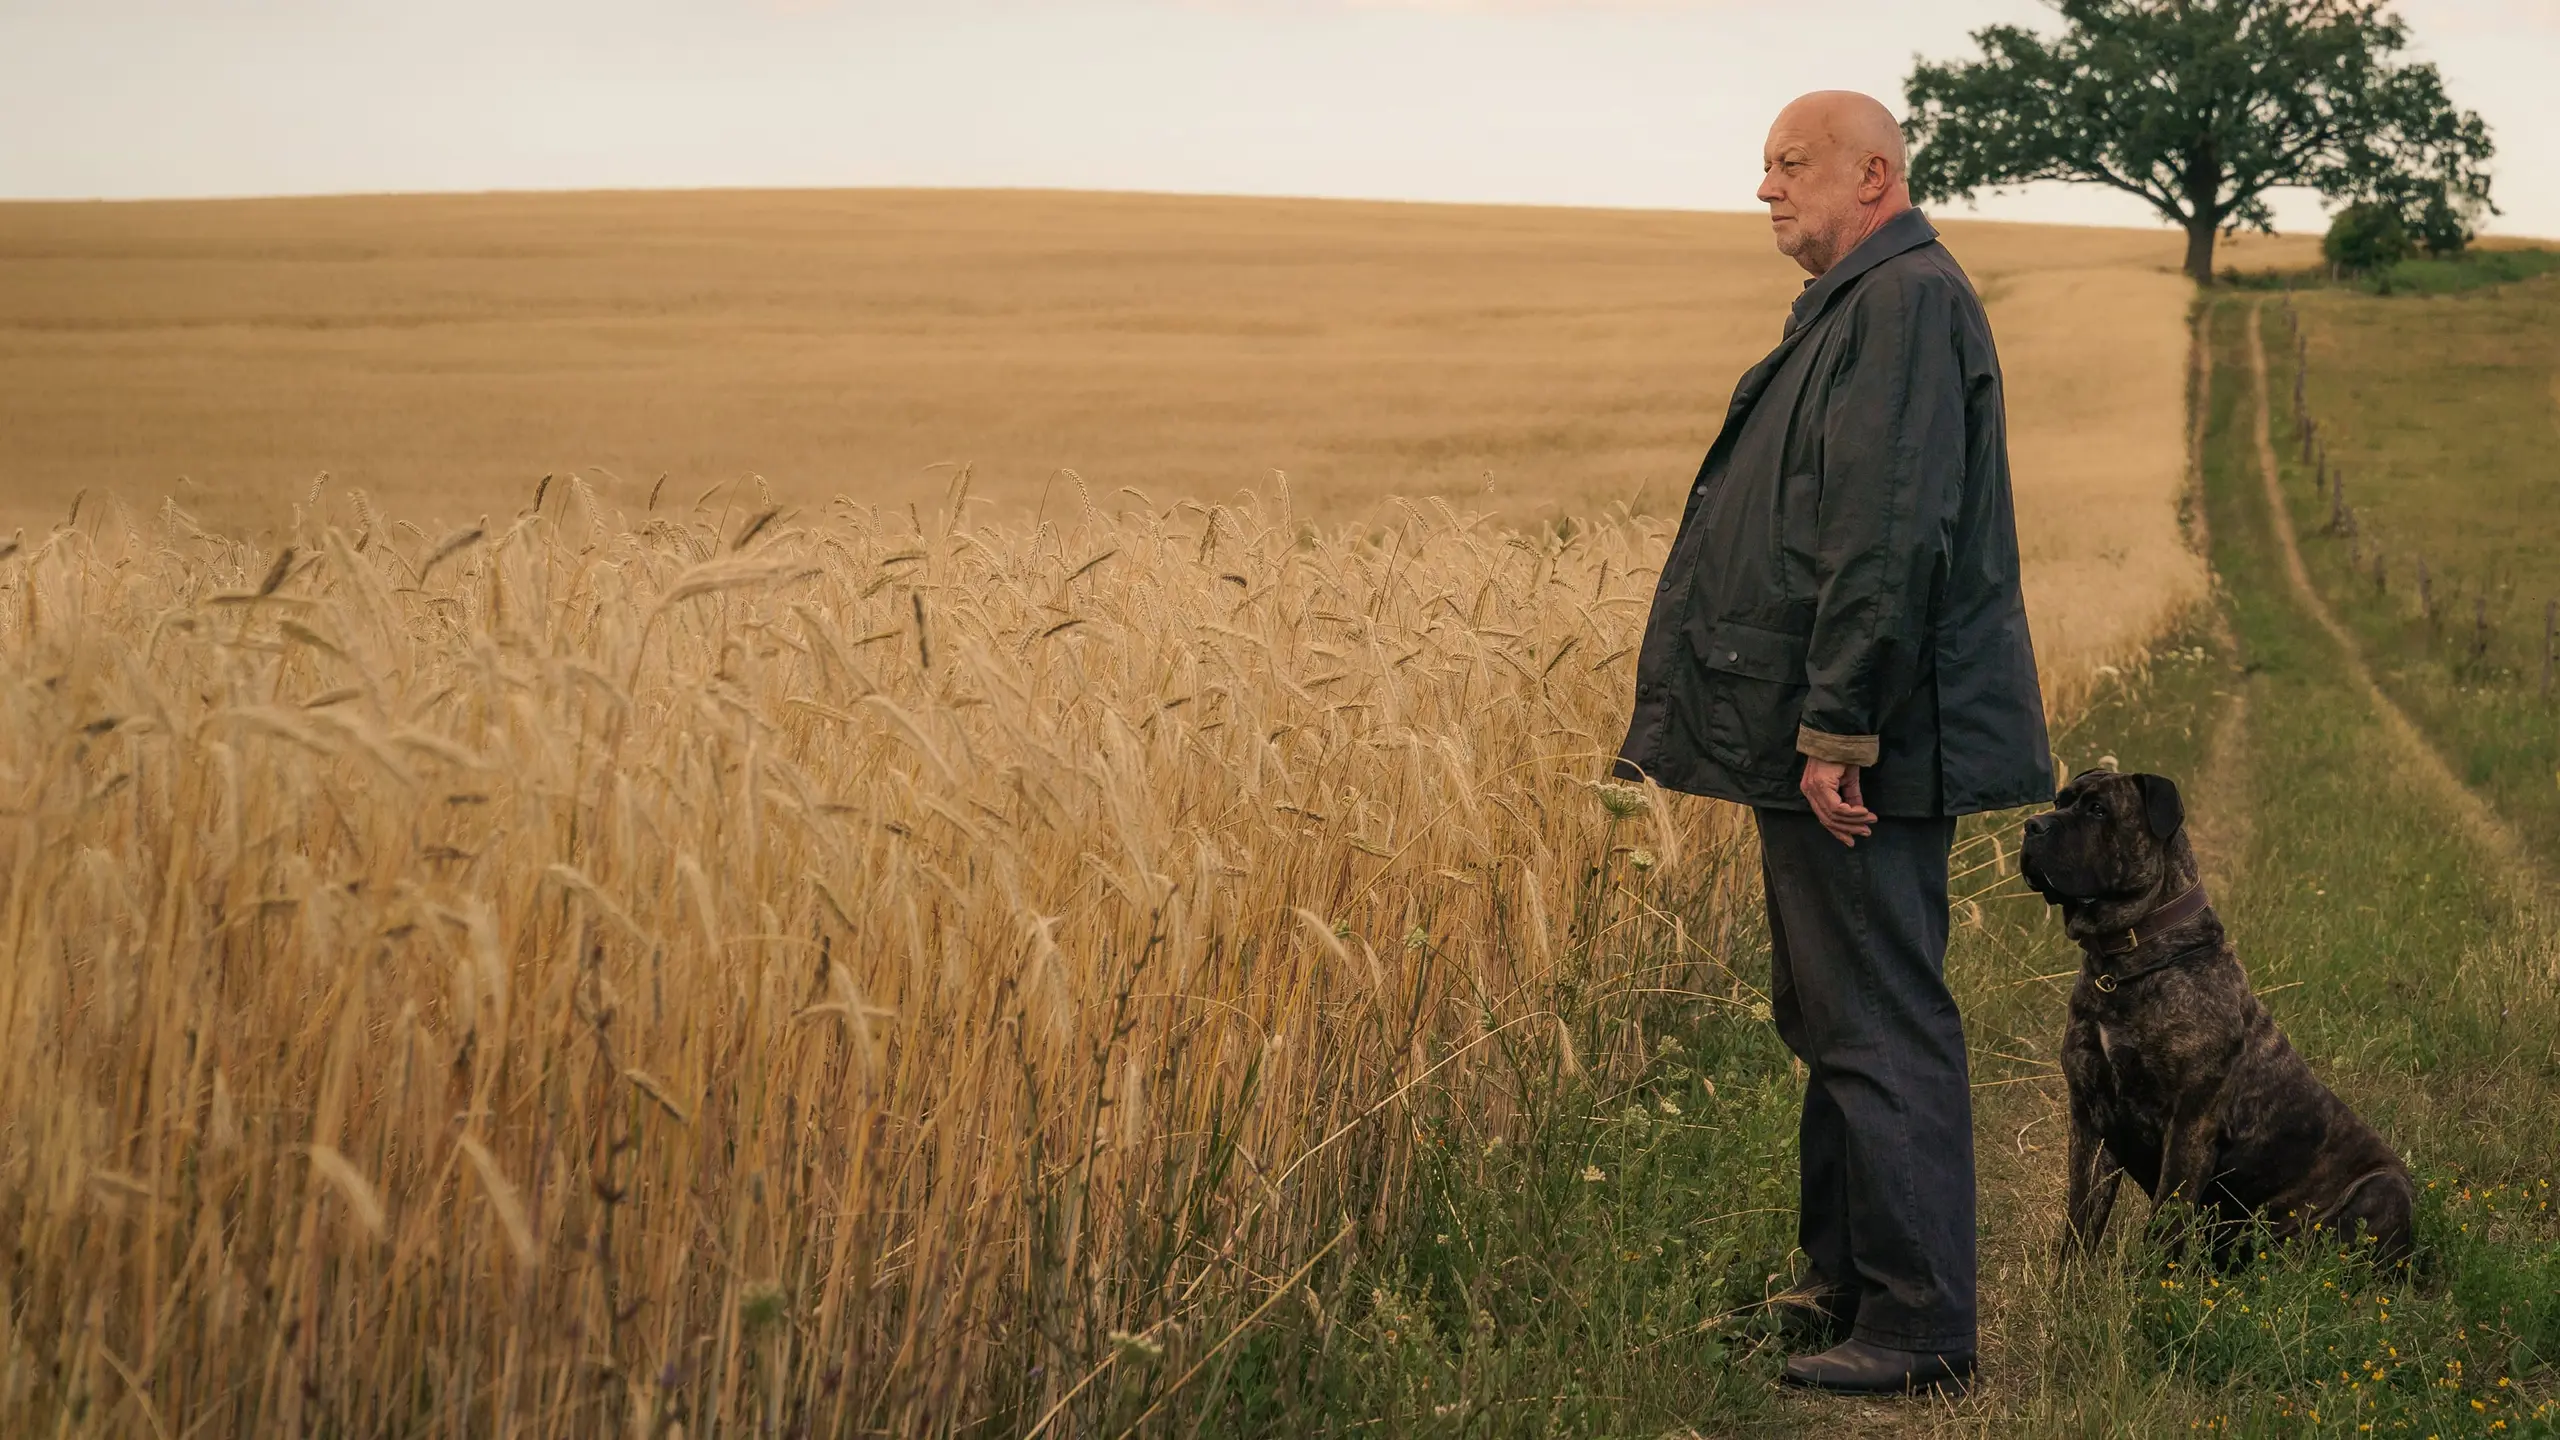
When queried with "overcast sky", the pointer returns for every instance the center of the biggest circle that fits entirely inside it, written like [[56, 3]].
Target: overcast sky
[[1585, 102]]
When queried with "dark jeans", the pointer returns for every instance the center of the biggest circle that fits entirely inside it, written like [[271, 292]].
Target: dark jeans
[[1858, 943]]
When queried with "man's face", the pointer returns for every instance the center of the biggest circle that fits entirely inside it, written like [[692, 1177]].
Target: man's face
[[1811, 185]]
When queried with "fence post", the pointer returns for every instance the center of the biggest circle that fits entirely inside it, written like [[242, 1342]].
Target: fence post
[[2381, 576]]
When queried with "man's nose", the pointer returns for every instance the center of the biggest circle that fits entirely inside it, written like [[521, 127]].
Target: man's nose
[[1769, 192]]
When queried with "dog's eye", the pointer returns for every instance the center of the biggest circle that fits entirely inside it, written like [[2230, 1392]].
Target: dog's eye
[[2097, 810]]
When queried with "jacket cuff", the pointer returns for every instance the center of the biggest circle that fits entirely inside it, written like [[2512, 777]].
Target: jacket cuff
[[1859, 750]]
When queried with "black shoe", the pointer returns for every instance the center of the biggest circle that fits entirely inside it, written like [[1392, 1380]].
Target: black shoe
[[1806, 1319], [1854, 1367]]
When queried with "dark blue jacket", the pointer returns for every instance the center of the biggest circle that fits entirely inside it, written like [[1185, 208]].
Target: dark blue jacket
[[1845, 579]]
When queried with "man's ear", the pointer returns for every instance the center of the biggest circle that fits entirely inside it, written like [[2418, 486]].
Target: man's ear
[[1875, 179], [2162, 810]]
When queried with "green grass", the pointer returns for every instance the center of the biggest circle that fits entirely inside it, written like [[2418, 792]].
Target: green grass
[[2402, 971], [2475, 269], [2442, 417]]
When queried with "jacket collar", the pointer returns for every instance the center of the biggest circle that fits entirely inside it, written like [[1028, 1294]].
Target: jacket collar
[[1908, 230]]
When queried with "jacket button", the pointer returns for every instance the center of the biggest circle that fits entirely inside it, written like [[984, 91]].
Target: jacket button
[[1732, 655], [1662, 585]]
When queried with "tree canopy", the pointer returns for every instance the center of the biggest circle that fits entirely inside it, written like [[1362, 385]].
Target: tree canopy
[[2201, 107]]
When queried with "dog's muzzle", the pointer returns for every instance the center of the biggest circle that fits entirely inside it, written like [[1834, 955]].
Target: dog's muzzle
[[2028, 869]]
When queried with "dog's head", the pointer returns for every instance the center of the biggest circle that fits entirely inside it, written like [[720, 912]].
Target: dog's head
[[2108, 838]]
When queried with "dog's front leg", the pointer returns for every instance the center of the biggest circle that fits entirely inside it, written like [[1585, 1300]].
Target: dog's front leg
[[2094, 1177], [2186, 1168]]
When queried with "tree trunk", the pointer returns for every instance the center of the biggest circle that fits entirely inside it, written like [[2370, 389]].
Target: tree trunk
[[2204, 210], [2201, 234]]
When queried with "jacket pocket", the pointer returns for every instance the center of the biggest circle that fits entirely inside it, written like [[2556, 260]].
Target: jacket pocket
[[1755, 689]]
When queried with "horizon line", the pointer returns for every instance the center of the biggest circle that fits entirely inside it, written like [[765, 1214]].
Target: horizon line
[[1134, 192]]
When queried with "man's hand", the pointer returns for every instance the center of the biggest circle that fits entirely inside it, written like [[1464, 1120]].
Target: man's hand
[[1832, 789]]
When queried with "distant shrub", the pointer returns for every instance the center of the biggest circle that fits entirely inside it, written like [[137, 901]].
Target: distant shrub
[[2367, 236]]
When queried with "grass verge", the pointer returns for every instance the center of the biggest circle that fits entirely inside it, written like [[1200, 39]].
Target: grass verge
[[2442, 550], [2475, 269]]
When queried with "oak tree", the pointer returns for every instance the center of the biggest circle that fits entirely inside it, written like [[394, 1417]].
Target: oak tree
[[2201, 107]]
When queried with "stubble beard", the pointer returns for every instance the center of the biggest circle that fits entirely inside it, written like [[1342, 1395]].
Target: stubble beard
[[1808, 249]]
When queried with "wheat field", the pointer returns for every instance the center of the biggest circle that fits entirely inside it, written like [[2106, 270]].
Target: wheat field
[[489, 954], [443, 353], [594, 975]]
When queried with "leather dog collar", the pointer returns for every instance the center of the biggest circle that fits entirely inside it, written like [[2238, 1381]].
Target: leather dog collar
[[2152, 926], [2108, 980]]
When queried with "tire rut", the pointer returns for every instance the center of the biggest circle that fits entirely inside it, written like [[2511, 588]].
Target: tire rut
[[2513, 860], [2224, 811]]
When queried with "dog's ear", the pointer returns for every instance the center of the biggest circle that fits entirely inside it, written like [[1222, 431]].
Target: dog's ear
[[2161, 807]]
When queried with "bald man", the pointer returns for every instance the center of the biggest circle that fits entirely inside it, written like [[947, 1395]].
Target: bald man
[[1840, 643]]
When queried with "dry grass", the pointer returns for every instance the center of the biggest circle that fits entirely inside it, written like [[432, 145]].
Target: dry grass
[[444, 352], [610, 976]]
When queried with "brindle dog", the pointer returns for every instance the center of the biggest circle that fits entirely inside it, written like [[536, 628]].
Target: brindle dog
[[2178, 1075]]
